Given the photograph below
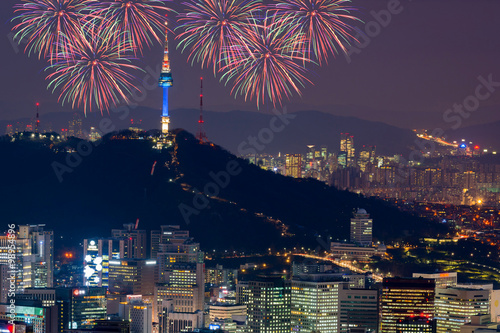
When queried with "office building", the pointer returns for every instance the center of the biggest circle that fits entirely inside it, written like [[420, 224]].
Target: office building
[[97, 252], [179, 294], [42, 254], [315, 303], [293, 165], [405, 297], [31, 316], [80, 307], [414, 324], [136, 240], [361, 228], [442, 279], [359, 309], [132, 276], [269, 305], [139, 314], [347, 149], [455, 307], [226, 311]]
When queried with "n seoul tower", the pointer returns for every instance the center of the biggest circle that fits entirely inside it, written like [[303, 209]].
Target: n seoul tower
[[165, 82]]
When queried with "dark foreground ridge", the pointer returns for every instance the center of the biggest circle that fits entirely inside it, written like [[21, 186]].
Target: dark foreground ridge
[[224, 201]]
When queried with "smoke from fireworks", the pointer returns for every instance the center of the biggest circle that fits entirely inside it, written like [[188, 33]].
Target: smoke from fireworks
[[211, 29], [322, 22], [93, 72]]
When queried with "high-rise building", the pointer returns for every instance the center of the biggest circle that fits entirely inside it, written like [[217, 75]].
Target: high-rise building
[[139, 314], [42, 254], [30, 316], [96, 254], [414, 324], [405, 297], [269, 305], [80, 307], [315, 303], [181, 276], [359, 309], [366, 156], [361, 228], [455, 307], [47, 296], [132, 276], [20, 262], [293, 165], [137, 248], [443, 279], [226, 311], [347, 146], [75, 126]]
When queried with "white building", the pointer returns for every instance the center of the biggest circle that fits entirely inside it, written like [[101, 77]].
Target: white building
[[455, 307], [361, 228]]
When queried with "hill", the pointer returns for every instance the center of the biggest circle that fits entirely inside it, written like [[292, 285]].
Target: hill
[[224, 201], [229, 129]]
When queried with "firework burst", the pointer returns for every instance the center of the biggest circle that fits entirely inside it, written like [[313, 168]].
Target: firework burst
[[47, 25], [92, 72], [211, 29], [269, 65], [139, 22], [322, 22]]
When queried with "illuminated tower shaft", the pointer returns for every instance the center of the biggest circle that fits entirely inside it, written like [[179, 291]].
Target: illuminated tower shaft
[[165, 82]]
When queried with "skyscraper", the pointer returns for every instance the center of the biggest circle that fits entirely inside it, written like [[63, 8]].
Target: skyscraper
[[96, 255], [42, 251], [293, 165], [132, 277], [315, 303], [359, 309], [443, 279], [181, 274], [347, 146], [137, 239], [361, 228], [80, 307], [455, 307], [138, 313], [269, 305], [405, 297]]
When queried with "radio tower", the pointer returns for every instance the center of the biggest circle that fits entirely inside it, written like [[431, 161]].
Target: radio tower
[[37, 118], [165, 82], [201, 135]]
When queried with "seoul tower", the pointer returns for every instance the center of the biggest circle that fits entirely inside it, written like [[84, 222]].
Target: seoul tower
[[165, 82]]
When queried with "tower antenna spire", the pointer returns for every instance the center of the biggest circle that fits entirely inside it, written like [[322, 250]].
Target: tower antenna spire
[[165, 82], [201, 135], [37, 118]]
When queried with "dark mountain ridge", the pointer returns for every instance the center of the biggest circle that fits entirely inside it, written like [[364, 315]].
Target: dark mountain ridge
[[116, 181]]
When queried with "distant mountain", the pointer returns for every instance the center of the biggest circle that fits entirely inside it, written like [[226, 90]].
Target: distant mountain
[[230, 129], [484, 135], [118, 181]]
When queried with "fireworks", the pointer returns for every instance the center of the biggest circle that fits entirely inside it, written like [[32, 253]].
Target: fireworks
[[92, 72], [211, 29], [46, 24], [269, 65], [261, 49], [140, 22], [322, 22]]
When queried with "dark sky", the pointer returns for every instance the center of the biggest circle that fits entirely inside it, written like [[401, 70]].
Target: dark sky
[[424, 61]]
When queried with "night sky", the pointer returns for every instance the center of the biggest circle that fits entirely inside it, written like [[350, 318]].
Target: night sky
[[424, 61]]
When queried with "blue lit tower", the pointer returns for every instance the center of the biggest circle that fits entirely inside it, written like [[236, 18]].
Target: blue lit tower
[[165, 82]]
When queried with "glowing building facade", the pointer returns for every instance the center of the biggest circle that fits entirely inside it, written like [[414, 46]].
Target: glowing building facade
[[405, 297]]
